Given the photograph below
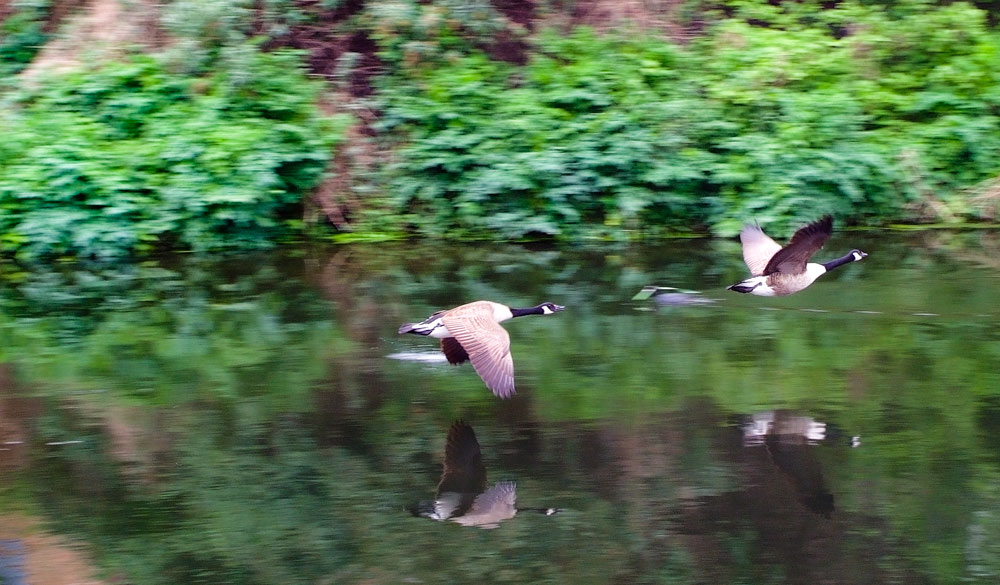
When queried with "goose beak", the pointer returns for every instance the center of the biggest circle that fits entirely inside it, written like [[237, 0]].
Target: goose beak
[[557, 308]]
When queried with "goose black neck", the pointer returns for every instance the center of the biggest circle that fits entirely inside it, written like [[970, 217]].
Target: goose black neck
[[839, 262], [528, 311]]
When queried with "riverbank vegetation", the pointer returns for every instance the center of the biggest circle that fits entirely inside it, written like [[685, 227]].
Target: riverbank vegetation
[[493, 120]]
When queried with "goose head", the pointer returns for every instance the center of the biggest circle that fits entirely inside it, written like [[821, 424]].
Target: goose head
[[857, 254], [548, 308]]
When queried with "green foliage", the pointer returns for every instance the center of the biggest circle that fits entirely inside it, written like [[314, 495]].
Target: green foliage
[[568, 141], [22, 35], [127, 156], [212, 35], [778, 113], [873, 111], [412, 33]]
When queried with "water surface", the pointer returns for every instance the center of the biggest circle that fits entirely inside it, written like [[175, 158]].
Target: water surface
[[242, 421]]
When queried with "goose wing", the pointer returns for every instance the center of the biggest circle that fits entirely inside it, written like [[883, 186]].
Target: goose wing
[[464, 471], [488, 346], [448, 505], [758, 248], [807, 240], [492, 506], [454, 351]]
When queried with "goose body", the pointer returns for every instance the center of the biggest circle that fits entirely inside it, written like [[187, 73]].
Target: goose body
[[462, 496], [472, 332], [778, 271]]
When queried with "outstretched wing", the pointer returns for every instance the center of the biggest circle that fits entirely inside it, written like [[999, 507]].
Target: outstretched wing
[[488, 346], [807, 240], [464, 471], [758, 248], [492, 506]]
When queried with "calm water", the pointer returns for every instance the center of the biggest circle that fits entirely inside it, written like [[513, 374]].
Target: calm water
[[258, 420]]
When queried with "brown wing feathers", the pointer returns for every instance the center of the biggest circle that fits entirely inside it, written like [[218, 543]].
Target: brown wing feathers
[[454, 351], [487, 346], [758, 248], [464, 471], [792, 258]]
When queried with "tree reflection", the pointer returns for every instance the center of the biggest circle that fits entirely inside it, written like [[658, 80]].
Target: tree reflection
[[238, 421]]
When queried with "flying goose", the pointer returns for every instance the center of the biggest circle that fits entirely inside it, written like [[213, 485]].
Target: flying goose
[[462, 496], [472, 332], [781, 271]]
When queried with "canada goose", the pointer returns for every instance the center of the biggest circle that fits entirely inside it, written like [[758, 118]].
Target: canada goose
[[462, 496], [781, 271], [789, 440], [784, 425], [472, 332]]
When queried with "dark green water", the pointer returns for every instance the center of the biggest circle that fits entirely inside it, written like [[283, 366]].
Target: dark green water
[[242, 421]]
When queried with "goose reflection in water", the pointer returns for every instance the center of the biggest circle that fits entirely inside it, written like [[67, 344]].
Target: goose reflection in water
[[790, 440], [462, 496], [668, 296]]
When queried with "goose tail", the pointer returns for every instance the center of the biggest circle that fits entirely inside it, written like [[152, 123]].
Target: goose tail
[[742, 287], [422, 509]]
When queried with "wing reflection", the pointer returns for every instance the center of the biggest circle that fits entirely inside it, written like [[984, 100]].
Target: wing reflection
[[668, 296], [462, 496], [789, 440]]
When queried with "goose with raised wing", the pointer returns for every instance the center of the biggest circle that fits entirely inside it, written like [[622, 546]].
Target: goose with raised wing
[[778, 271], [790, 440], [462, 496], [472, 332]]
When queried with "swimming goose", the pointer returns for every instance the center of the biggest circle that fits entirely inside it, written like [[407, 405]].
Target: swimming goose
[[778, 271], [462, 496], [472, 332]]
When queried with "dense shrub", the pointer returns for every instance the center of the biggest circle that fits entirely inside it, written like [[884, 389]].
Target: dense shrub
[[777, 111], [859, 111], [22, 33], [125, 157]]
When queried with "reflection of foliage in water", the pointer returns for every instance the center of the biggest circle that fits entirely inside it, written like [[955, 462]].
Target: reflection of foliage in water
[[250, 503], [167, 335], [293, 447]]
